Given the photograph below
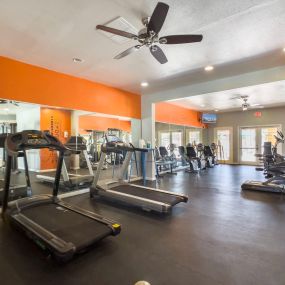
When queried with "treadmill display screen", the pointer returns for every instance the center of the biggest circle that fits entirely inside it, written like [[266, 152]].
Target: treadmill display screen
[[36, 139]]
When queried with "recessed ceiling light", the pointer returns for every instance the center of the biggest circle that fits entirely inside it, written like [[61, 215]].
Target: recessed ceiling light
[[216, 110], [77, 60], [144, 84], [6, 109], [209, 68], [284, 49], [202, 105]]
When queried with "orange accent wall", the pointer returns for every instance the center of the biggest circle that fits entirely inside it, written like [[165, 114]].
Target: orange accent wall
[[102, 124], [170, 113], [57, 122], [32, 84]]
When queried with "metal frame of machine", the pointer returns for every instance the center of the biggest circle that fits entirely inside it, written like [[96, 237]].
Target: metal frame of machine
[[70, 180], [106, 188]]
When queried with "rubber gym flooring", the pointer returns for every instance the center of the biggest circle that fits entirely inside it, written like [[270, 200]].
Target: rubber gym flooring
[[222, 236]]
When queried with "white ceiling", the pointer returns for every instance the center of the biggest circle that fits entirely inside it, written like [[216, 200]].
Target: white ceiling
[[264, 95], [51, 33]]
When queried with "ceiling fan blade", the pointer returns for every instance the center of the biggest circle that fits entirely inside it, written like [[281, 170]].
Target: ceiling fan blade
[[158, 17], [116, 32], [180, 39], [127, 52], [158, 54]]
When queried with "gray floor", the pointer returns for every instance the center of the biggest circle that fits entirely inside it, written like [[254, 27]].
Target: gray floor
[[222, 236]]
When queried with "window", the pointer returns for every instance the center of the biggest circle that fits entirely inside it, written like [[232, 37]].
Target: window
[[164, 139], [195, 137], [172, 137], [176, 138]]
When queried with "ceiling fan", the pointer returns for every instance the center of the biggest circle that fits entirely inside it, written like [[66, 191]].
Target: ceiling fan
[[3, 101], [148, 36], [245, 105]]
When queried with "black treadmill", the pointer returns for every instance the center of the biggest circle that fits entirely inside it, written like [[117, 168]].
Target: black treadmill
[[57, 227], [16, 190], [117, 189]]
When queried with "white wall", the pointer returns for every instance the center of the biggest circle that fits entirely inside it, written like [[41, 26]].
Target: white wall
[[29, 119]]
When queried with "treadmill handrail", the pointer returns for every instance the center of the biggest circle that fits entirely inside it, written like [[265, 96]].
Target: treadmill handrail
[[119, 147], [30, 139]]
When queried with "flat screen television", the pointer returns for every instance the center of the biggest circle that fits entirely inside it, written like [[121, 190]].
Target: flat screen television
[[209, 118]]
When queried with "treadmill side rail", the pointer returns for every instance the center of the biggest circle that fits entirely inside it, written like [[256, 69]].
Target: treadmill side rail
[[183, 197], [116, 228], [145, 204]]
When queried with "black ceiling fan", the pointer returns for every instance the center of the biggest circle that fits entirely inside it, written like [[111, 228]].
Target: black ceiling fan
[[3, 101], [149, 37]]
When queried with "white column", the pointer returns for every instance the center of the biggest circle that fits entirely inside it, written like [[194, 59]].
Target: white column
[[75, 121], [29, 119], [148, 133]]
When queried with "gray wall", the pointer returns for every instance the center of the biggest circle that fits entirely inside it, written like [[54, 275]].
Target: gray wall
[[270, 116]]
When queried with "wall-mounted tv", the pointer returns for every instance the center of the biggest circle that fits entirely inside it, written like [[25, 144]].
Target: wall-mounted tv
[[209, 118]]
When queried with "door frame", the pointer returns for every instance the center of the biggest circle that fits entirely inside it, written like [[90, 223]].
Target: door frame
[[279, 126], [230, 161]]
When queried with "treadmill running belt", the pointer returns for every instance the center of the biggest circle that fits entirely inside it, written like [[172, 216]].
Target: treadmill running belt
[[149, 194], [68, 225]]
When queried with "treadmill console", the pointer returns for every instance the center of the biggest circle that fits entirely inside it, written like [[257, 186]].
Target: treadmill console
[[32, 139]]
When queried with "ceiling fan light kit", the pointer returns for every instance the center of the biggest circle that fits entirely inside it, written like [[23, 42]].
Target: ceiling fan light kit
[[149, 35]]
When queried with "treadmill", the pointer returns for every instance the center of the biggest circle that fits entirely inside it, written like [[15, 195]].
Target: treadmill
[[16, 191], [275, 184], [70, 180], [57, 227], [149, 199]]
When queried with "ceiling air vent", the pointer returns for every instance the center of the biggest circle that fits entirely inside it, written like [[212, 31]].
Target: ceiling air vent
[[121, 24]]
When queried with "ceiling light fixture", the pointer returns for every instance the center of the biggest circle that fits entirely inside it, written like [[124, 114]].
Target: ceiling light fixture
[[202, 105], [216, 110], [284, 49], [144, 84], [77, 60], [209, 68], [6, 109], [255, 105]]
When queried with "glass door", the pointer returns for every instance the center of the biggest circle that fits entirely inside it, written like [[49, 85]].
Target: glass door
[[249, 145], [224, 141], [268, 135], [252, 140]]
